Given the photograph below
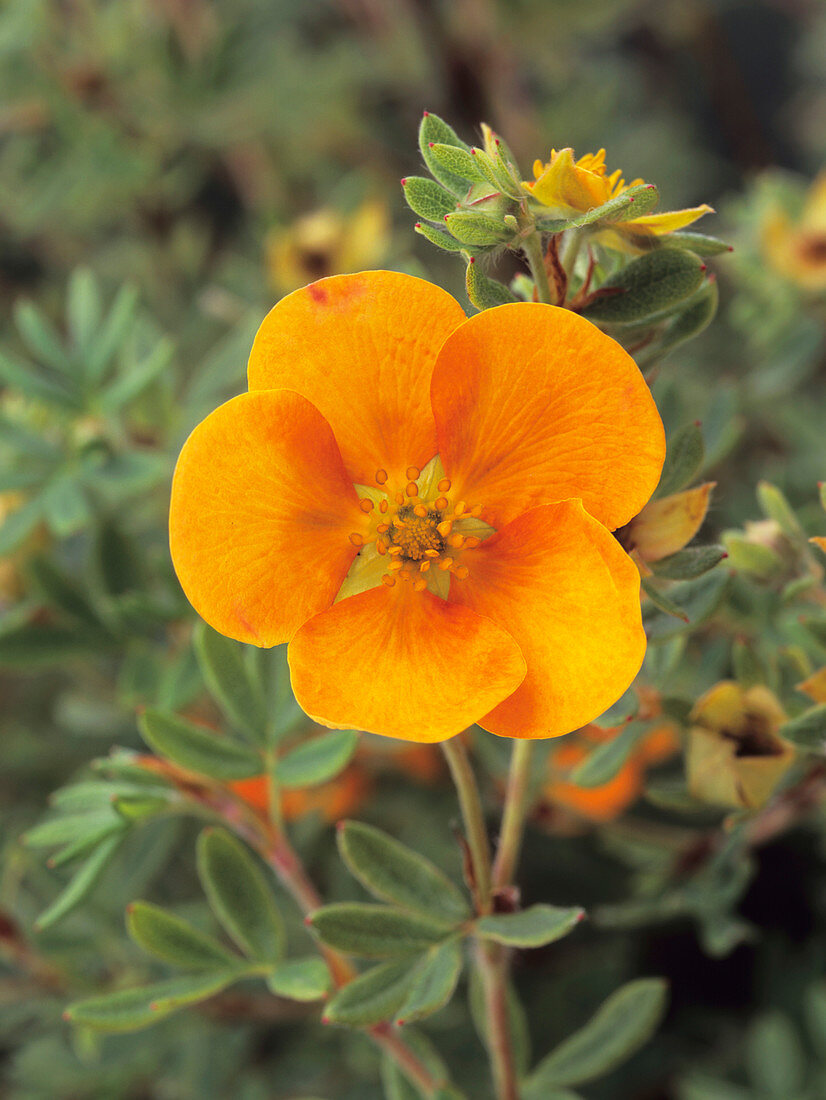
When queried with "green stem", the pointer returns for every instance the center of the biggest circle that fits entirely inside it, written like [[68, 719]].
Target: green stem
[[532, 247], [474, 819], [513, 819]]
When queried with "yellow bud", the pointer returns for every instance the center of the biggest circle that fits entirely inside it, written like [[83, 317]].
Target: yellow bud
[[735, 756], [665, 526]]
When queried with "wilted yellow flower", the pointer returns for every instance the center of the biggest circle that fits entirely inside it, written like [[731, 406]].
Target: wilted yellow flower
[[735, 756], [797, 248], [327, 242], [665, 526], [569, 187]]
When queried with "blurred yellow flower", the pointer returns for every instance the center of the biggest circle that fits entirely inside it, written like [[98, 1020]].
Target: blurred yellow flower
[[796, 249], [735, 756], [327, 242], [571, 187], [665, 526]]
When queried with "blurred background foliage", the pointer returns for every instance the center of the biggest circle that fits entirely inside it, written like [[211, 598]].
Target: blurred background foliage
[[169, 168]]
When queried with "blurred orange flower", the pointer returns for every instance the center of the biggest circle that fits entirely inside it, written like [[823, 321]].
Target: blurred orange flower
[[421, 505], [571, 187], [607, 801], [342, 796], [797, 248]]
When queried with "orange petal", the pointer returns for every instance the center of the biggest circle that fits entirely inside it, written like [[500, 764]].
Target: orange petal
[[260, 515], [666, 222], [665, 526], [569, 595], [362, 349], [534, 404], [402, 663]]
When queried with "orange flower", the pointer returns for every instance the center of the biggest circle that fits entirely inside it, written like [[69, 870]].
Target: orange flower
[[606, 802], [421, 505], [339, 798]]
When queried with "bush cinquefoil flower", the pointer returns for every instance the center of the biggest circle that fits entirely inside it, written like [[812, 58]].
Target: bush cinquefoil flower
[[421, 505], [797, 248], [571, 187]]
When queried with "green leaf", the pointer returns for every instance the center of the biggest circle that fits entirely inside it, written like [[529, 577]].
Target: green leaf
[[684, 458], [81, 884], [373, 997], [775, 1060], [34, 644], [477, 229], [131, 1009], [83, 308], [63, 593], [395, 873], [172, 940], [196, 748], [440, 238], [427, 198], [752, 557], [691, 320], [395, 1084], [65, 505], [808, 730], [776, 507], [36, 384], [698, 599], [458, 162], [532, 927], [433, 131], [40, 337], [660, 600], [700, 243], [484, 293], [240, 895], [687, 564], [647, 288], [132, 382], [69, 827], [301, 979], [624, 1023], [229, 680], [374, 931], [113, 332], [434, 981], [604, 762], [317, 760], [496, 173]]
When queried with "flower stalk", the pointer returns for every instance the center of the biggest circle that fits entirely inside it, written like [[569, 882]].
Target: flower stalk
[[532, 247], [515, 813]]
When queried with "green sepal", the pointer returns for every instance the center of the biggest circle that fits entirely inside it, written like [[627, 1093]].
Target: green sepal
[[230, 682], [374, 931], [700, 243], [318, 759], [775, 506], [172, 940], [647, 288], [132, 1009], [427, 198], [808, 730], [604, 762], [661, 600], [496, 173], [395, 873], [485, 293], [690, 321], [434, 131], [239, 895], [477, 229], [441, 238], [301, 979], [687, 564], [434, 981], [533, 927], [685, 454], [624, 1023], [196, 748], [373, 997], [458, 162]]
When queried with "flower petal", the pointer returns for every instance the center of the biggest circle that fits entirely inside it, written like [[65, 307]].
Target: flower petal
[[666, 525], [362, 349], [260, 515], [533, 404], [665, 222], [564, 183], [570, 597], [403, 664]]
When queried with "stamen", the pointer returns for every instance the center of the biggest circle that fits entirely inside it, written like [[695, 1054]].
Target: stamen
[[419, 585], [413, 472], [476, 511], [399, 498], [444, 485], [441, 503], [395, 565], [460, 507], [381, 546], [412, 489], [383, 505], [471, 542], [456, 540], [395, 551], [420, 511], [383, 528], [381, 477], [388, 580], [445, 527], [356, 539], [366, 504], [423, 568], [431, 553], [460, 572], [445, 563]]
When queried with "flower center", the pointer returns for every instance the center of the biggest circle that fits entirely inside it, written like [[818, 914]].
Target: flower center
[[417, 534]]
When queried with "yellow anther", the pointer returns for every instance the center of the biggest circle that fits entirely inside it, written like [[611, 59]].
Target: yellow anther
[[445, 563], [382, 505], [444, 485], [471, 542], [460, 572], [366, 504], [383, 528], [412, 473], [381, 546], [395, 551], [399, 498], [412, 489], [456, 540], [381, 477], [441, 503], [419, 585], [420, 511], [431, 553], [395, 565], [445, 527], [388, 580], [460, 508], [356, 539], [423, 568]]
